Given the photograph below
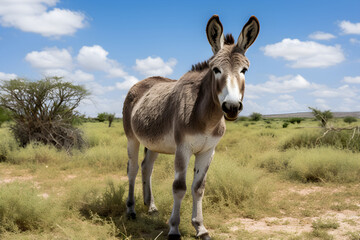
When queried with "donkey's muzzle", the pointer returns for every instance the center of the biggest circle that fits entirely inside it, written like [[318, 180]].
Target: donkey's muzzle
[[231, 110]]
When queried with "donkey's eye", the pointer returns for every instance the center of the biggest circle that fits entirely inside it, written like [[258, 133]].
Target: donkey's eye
[[216, 70], [244, 70]]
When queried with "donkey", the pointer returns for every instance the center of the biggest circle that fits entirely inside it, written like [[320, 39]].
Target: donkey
[[187, 117]]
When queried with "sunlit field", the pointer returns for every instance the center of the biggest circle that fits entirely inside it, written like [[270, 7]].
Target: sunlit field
[[266, 181]]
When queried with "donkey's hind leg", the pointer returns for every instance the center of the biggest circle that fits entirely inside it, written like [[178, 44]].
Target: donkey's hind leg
[[132, 169], [146, 170]]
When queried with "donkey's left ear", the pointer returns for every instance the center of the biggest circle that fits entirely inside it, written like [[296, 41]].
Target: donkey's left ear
[[249, 33]]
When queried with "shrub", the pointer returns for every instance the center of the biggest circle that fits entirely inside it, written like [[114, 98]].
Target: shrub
[[43, 111], [295, 120], [350, 119], [285, 124], [255, 116]]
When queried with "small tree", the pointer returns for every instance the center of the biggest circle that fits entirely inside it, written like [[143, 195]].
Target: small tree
[[43, 111], [102, 117], [111, 118], [350, 119], [322, 116], [255, 116]]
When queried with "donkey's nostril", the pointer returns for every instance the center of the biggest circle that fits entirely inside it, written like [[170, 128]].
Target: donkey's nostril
[[223, 107], [240, 106]]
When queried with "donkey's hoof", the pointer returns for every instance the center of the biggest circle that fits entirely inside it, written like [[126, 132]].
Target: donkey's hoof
[[152, 210], [174, 237], [205, 237], [131, 216]]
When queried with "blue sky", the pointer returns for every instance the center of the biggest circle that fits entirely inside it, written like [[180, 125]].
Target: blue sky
[[307, 52]]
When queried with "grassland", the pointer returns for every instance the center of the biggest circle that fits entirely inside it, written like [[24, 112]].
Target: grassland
[[265, 182]]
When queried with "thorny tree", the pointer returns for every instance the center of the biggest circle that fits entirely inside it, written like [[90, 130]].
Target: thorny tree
[[43, 111]]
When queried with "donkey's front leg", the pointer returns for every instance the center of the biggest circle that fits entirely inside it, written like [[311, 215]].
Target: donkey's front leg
[[202, 163], [182, 156], [132, 169]]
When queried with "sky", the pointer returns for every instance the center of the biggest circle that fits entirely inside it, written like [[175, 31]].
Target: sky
[[306, 55]]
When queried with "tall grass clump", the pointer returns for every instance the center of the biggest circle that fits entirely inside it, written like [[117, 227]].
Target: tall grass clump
[[324, 165], [35, 153], [90, 200], [346, 140], [22, 209], [231, 185]]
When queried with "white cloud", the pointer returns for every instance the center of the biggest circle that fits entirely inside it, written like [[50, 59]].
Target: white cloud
[[284, 104], [352, 79], [7, 76], [95, 58], [155, 66], [307, 54], [36, 17], [127, 84], [344, 91], [321, 36], [354, 41], [81, 77], [284, 84], [322, 104], [52, 58], [349, 27]]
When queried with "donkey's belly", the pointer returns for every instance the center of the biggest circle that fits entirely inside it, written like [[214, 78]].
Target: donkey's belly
[[165, 144], [197, 143]]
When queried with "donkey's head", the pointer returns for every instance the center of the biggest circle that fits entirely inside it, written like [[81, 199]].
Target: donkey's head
[[229, 64]]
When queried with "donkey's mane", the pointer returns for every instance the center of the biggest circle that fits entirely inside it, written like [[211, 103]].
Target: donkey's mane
[[228, 40]]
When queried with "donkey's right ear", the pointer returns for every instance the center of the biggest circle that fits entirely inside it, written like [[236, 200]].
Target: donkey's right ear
[[214, 33]]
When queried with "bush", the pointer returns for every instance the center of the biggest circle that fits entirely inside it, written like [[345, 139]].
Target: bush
[[285, 124], [295, 120], [43, 111], [350, 120], [255, 116]]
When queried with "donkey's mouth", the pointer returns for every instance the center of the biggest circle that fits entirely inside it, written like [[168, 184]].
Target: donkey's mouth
[[231, 116]]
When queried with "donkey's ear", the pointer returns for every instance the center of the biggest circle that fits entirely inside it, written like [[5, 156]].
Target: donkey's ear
[[249, 33], [214, 33]]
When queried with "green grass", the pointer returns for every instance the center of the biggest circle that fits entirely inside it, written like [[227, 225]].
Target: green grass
[[252, 176]]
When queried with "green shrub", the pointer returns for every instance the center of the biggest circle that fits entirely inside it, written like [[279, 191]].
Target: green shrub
[[295, 120], [255, 116], [285, 125], [350, 120]]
